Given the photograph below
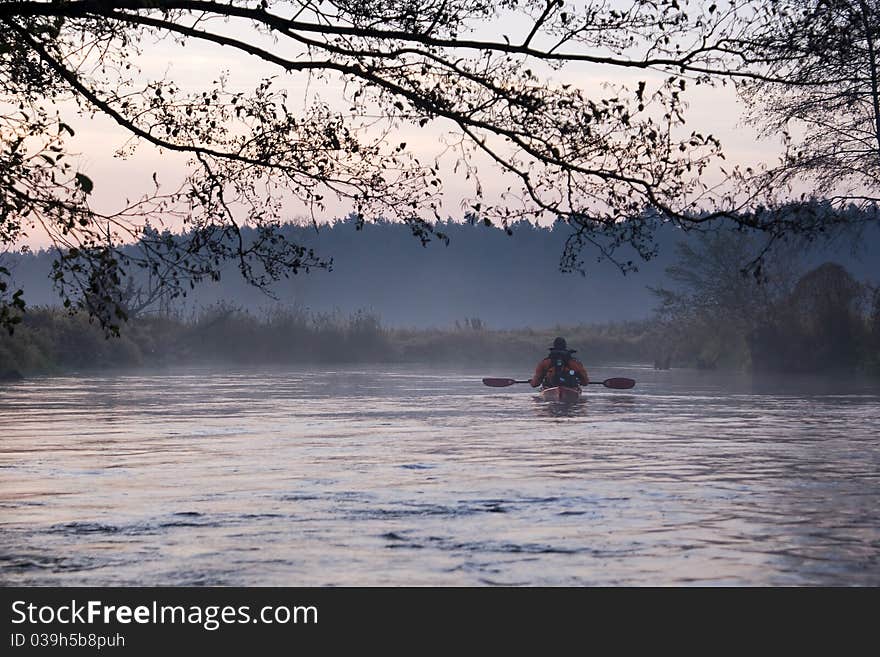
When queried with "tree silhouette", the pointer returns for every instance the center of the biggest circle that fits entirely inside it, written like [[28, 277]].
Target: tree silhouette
[[612, 165], [816, 66], [819, 327], [713, 301]]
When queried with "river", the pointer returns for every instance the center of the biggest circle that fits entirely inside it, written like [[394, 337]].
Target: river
[[417, 476]]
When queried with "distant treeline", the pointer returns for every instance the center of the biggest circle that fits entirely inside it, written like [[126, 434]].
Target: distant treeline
[[52, 341], [507, 281]]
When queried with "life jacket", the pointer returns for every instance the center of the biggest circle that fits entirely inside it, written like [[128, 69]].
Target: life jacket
[[560, 374]]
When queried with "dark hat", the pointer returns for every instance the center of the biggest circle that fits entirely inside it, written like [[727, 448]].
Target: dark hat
[[559, 345]]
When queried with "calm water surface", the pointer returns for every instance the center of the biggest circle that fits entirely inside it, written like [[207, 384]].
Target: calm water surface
[[399, 476]]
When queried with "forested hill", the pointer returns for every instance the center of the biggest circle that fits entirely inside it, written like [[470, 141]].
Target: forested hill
[[504, 281]]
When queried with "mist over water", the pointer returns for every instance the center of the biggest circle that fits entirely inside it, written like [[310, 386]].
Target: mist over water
[[422, 476]]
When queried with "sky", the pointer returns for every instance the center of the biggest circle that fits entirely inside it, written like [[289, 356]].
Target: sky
[[711, 110]]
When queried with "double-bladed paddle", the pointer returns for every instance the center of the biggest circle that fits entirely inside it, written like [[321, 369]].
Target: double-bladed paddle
[[618, 383]]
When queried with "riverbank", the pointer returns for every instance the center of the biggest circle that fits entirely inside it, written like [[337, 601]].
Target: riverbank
[[50, 341]]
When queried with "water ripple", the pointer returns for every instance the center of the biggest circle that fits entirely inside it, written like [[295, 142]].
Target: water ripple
[[400, 477]]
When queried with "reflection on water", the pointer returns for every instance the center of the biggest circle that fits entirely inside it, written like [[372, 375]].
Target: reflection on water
[[560, 409], [395, 476]]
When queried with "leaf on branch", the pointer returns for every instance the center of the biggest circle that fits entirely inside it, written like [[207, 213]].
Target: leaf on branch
[[85, 183]]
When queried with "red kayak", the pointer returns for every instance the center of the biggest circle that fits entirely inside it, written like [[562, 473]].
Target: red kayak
[[561, 394]]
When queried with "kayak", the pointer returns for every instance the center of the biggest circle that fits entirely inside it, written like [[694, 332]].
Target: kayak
[[561, 394]]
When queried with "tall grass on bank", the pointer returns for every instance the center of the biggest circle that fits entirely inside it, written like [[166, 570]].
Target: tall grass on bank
[[51, 341]]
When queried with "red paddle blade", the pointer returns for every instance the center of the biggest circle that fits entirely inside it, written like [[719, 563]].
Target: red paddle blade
[[619, 383], [499, 383]]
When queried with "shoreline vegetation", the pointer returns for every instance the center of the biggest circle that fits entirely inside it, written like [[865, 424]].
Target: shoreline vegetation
[[52, 341], [713, 315]]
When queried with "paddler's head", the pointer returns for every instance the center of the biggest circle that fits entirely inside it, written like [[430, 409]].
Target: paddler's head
[[559, 345]]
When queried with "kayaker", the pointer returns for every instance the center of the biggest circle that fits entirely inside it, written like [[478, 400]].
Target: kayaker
[[560, 368]]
